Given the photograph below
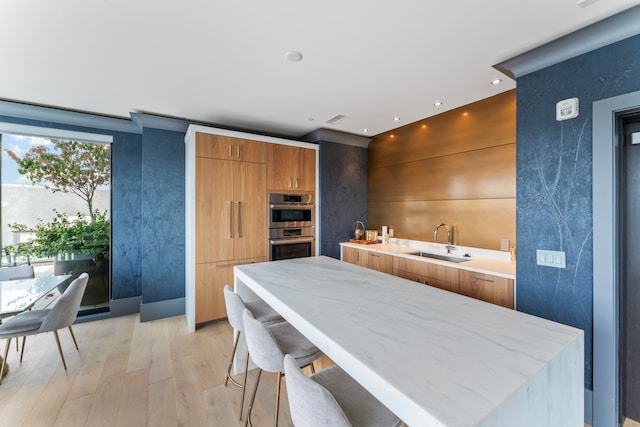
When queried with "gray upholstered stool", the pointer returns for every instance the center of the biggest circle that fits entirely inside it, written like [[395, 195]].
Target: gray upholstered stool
[[268, 345], [332, 398], [261, 311]]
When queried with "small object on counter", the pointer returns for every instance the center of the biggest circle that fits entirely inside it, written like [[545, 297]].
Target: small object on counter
[[390, 231], [371, 235], [513, 254], [358, 228], [385, 234]]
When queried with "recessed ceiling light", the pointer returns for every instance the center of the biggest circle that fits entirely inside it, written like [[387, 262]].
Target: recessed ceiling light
[[396, 119], [293, 56], [496, 81], [437, 103], [365, 130]]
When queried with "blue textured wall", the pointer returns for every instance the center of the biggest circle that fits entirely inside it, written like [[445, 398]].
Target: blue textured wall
[[147, 197], [163, 215], [343, 189], [126, 216], [554, 195]]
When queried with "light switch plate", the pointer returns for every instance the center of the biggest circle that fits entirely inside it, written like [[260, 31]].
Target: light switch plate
[[551, 258], [504, 244]]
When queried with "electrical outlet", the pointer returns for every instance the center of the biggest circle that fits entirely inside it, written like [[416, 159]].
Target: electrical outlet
[[504, 245], [551, 258]]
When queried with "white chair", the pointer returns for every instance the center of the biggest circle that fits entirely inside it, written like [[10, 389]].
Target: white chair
[[331, 398], [24, 271], [62, 315], [261, 311], [268, 345]]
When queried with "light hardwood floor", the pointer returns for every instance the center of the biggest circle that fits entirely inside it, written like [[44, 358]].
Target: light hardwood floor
[[130, 374]]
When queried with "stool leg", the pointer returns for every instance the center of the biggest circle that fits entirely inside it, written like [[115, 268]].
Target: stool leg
[[253, 398], [244, 383], [278, 382], [233, 353], [24, 340], [4, 361]]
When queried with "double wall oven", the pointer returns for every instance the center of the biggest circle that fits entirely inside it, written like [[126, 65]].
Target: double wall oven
[[291, 226]]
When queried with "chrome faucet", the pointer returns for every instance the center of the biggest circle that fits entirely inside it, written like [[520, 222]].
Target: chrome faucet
[[435, 236]]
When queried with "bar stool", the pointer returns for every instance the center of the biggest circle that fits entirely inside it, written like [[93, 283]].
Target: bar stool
[[332, 398], [261, 311], [268, 345]]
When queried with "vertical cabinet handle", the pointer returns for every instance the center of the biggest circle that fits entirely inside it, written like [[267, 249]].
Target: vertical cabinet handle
[[230, 151], [239, 220], [238, 151], [230, 219], [290, 185], [296, 182]]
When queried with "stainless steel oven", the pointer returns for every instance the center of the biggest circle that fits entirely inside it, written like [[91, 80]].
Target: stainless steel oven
[[287, 243], [291, 210], [291, 226]]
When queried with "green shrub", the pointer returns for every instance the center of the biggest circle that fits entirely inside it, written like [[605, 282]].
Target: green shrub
[[63, 235]]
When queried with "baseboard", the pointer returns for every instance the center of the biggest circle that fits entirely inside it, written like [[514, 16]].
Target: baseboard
[[124, 306], [588, 406], [161, 309]]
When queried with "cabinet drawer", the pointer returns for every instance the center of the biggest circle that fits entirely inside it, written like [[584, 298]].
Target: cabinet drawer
[[210, 281], [436, 275], [228, 148], [494, 289]]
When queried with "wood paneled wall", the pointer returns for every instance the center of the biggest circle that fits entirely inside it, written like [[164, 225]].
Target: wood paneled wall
[[458, 168]]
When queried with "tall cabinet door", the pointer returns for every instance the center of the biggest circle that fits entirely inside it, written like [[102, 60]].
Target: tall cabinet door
[[214, 210], [250, 216]]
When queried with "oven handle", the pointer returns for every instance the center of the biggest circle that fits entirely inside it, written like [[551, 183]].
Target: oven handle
[[277, 242], [291, 206]]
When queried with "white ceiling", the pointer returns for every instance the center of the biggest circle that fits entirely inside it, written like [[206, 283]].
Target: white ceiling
[[223, 61]]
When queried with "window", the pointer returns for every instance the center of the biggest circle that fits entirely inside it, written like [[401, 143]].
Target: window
[[56, 201]]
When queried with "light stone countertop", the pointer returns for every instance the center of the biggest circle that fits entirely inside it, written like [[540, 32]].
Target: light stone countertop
[[479, 264], [433, 357]]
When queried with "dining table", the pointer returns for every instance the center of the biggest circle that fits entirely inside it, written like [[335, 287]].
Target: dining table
[[433, 357], [19, 295]]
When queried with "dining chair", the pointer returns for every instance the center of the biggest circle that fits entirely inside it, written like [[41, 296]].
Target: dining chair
[[24, 271], [261, 311], [268, 344], [62, 315], [331, 398]]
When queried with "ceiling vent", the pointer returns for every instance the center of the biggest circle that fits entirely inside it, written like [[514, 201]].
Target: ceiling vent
[[336, 119]]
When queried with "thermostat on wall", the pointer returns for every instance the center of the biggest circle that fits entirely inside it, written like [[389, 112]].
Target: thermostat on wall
[[567, 109]]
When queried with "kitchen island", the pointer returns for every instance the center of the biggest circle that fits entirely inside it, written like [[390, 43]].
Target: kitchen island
[[432, 357]]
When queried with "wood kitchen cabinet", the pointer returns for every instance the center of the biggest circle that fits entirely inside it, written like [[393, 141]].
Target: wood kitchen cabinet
[[438, 276], [211, 278], [364, 258], [231, 216], [494, 289], [228, 148], [226, 208], [291, 168]]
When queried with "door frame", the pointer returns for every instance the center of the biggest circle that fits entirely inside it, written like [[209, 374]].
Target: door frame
[[606, 257]]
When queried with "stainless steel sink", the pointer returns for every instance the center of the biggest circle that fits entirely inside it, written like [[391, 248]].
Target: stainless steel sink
[[449, 258]]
